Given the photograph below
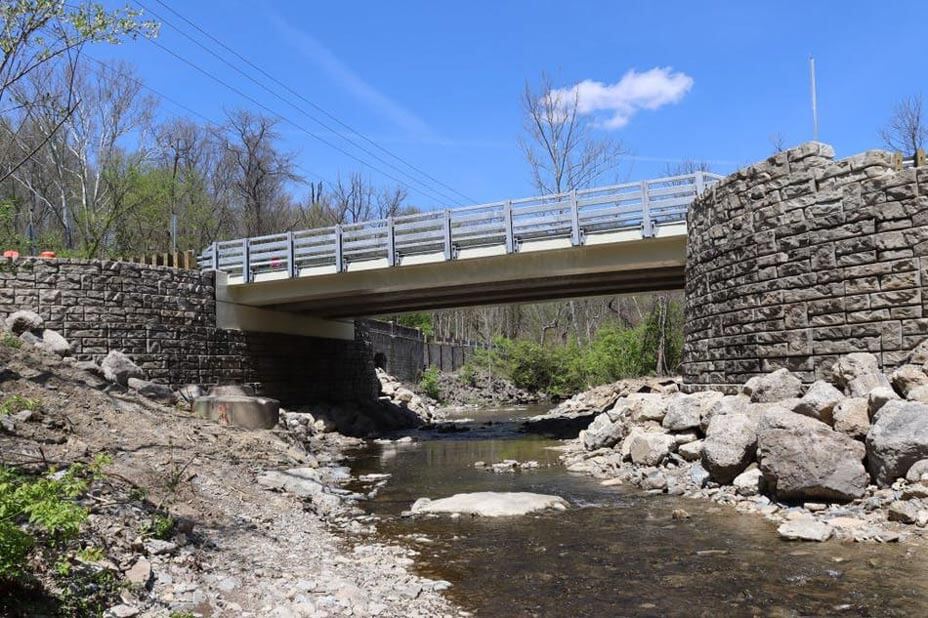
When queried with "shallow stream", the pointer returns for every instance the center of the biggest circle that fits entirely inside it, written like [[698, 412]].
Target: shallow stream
[[617, 551]]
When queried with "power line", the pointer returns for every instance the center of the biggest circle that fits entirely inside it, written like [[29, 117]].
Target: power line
[[426, 189], [308, 101]]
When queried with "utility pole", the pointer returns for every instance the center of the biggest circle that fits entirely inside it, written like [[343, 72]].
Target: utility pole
[[814, 102]]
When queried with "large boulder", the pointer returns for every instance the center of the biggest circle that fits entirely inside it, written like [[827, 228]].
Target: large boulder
[[819, 402], [897, 439], [20, 322], [879, 397], [851, 366], [726, 405], [646, 407], [650, 448], [852, 417], [776, 386], [730, 444], [53, 342], [686, 411], [606, 430], [154, 391], [907, 378], [919, 355], [491, 504], [805, 459], [117, 367]]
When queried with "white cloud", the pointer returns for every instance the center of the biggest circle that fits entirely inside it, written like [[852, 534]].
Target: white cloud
[[618, 102]]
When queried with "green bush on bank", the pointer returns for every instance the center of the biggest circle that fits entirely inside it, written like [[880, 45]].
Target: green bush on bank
[[652, 347], [429, 383]]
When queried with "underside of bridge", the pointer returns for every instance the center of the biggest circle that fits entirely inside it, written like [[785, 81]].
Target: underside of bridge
[[624, 267]]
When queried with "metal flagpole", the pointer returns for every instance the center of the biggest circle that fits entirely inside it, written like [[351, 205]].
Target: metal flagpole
[[814, 102]]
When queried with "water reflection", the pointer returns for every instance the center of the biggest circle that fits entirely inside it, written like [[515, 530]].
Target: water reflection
[[619, 552]]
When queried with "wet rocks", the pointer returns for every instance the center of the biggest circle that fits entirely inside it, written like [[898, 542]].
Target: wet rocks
[[490, 504], [897, 439], [805, 530], [606, 430], [804, 459]]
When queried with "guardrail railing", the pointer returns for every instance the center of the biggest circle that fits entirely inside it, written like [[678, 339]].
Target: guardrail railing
[[511, 223]]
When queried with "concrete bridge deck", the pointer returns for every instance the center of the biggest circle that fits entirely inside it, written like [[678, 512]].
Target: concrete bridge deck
[[621, 238]]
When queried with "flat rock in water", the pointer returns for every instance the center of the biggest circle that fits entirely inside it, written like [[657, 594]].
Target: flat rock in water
[[491, 504], [805, 530]]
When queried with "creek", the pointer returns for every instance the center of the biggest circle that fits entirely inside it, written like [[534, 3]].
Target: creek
[[617, 551]]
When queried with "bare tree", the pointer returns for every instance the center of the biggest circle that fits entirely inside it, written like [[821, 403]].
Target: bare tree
[[559, 144], [777, 142], [906, 130]]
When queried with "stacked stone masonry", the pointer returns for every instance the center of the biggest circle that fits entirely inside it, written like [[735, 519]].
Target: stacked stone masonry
[[165, 319], [404, 352], [799, 259]]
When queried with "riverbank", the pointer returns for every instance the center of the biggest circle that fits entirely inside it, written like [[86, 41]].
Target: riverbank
[[844, 460], [191, 516]]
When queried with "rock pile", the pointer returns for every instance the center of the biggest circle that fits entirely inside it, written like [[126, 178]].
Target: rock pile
[[481, 388], [845, 458]]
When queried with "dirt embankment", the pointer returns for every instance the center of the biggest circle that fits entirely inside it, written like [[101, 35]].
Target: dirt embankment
[[186, 518]]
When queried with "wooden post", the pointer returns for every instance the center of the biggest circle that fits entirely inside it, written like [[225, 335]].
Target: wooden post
[[647, 225], [575, 238]]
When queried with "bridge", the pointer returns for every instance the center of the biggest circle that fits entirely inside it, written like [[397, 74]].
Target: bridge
[[627, 237]]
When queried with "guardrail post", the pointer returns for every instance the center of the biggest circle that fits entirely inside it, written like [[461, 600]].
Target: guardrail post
[[339, 256], [246, 262], [575, 237], [700, 183], [446, 228], [214, 258], [647, 225], [507, 222], [391, 243], [291, 263]]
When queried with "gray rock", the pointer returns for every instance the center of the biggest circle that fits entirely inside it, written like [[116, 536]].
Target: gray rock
[[20, 322], [918, 471], [852, 417], [699, 475], [863, 385], [654, 480], [805, 459], [726, 405], [691, 451], [139, 573], [491, 504], [750, 482], [686, 411], [898, 438], [919, 355], [907, 377], [647, 407], [53, 342], [806, 529], [606, 430], [819, 402], [650, 449], [117, 367], [877, 398], [730, 444], [851, 366], [776, 386], [189, 392], [902, 511], [122, 611], [153, 391], [918, 393]]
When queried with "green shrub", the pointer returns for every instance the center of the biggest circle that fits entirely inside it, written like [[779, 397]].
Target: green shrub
[[429, 383], [160, 526], [10, 340], [17, 403]]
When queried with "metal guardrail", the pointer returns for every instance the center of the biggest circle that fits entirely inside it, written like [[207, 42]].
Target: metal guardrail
[[574, 215]]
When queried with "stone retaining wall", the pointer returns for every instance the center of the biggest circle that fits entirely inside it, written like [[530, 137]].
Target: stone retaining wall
[[165, 320], [404, 352], [801, 258]]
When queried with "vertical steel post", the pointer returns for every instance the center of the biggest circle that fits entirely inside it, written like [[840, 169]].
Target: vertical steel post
[[246, 262], [391, 243], [575, 238], [291, 262], [446, 225], [339, 257], [647, 225], [215, 256], [700, 183], [507, 222]]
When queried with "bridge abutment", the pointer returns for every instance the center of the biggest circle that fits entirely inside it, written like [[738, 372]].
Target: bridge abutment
[[801, 258]]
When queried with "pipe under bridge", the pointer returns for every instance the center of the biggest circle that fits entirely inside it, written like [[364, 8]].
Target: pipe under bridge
[[621, 238]]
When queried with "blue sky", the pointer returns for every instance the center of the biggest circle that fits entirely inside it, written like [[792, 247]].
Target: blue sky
[[439, 84]]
